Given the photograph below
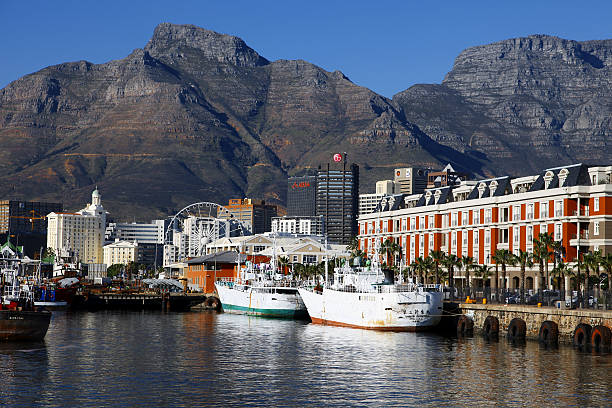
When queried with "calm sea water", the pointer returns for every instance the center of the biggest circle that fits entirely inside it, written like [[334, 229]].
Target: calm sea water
[[210, 359]]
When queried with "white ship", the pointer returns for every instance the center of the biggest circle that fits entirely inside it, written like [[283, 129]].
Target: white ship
[[363, 297], [261, 292]]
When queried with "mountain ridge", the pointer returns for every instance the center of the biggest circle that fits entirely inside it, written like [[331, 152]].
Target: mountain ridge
[[197, 115]]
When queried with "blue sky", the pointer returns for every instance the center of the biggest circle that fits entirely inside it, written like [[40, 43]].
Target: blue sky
[[386, 46]]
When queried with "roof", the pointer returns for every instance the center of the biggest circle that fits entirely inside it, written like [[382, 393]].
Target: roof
[[230, 257]]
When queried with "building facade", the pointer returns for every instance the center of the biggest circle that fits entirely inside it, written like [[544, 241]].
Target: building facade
[[23, 217], [477, 218], [298, 225], [121, 252], [152, 233], [79, 234], [255, 214], [410, 180], [302, 196], [338, 200]]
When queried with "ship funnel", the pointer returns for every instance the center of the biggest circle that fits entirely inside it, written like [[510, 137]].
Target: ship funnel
[[389, 276]]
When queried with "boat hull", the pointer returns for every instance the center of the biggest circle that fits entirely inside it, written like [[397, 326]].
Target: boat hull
[[392, 311], [253, 303], [23, 326]]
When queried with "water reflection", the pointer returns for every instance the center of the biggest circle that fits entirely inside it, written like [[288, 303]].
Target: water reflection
[[206, 358]]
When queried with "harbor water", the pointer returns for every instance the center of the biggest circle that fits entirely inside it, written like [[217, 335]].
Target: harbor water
[[156, 359]]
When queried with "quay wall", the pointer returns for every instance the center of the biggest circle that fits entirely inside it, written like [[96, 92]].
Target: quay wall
[[566, 319]]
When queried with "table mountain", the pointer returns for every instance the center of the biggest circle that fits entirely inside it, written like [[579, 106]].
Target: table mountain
[[524, 104], [200, 116]]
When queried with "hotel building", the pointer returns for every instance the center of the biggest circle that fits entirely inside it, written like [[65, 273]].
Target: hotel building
[[476, 218], [79, 234]]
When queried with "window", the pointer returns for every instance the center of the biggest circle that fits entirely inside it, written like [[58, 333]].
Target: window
[[422, 222], [453, 219], [543, 209], [515, 236], [412, 223], [596, 228], [309, 259], [444, 220], [530, 211], [596, 204], [503, 236], [557, 232], [516, 212], [529, 235], [258, 248], [464, 220], [487, 237], [476, 216], [558, 208], [488, 216], [431, 242], [404, 224], [431, 221], [454, 240]]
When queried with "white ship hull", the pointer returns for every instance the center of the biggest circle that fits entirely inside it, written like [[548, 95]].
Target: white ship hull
[[262, 301], [395, 311]]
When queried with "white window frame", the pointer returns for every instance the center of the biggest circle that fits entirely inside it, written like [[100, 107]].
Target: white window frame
[[596, 228], [544, 209], [558, 232], [596, 204]]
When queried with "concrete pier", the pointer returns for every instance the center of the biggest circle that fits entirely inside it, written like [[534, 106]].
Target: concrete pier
[[534, 317]]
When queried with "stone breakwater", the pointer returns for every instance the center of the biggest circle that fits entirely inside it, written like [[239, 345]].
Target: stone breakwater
[[566, 320]]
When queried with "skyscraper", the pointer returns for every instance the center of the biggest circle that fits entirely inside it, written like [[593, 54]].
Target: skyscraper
[[302, 196], [337, 199]]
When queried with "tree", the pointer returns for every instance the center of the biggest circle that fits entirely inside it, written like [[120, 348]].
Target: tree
[[560, 270], [390, 248], [451, 262], [418, 266], [483, 272], [524, 259], [114, 270], [429, 265], [437, 257], [468, 264], [504, 257], [542, 253], [283, 262], [353, 244]]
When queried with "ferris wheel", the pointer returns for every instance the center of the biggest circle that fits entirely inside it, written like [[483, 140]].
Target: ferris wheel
[[199, 224]]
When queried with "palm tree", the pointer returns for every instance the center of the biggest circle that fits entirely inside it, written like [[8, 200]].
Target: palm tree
[[560, 270], [437, 257], [353, 244], [542, 253], [524, 259], [591, 261], [451, 262], [418, 267], [390, 248], [468, 264], [483, 272], [283, 261], [429, 265], [504, 257]]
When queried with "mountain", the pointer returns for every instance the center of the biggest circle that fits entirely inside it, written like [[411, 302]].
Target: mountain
[[200, 116], [522, 104]]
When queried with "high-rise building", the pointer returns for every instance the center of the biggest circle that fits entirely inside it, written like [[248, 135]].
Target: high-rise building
[[254, 213], [337, 199], [302, 196], [79, 234], [17, 217], [298, 225], [411, 180]]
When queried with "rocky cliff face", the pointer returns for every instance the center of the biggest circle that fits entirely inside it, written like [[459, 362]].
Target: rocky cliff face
[[200, 116], [538, 98]]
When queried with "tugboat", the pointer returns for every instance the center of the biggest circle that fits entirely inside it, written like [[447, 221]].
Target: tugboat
[[20, 320]]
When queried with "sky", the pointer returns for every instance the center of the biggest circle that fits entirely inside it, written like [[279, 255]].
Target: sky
[[386, 46]]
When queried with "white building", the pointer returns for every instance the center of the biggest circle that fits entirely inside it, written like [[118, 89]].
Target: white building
[[298, 225], [79, 234], [121, 252], [152, 233]]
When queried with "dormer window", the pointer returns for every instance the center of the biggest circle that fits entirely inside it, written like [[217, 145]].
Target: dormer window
[[492, 188], [437, 197], [562, 176], [548, 178], [481, 189], [427, 197]]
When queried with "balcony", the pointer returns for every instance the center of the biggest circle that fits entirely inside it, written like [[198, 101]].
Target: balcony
[[579, 239]]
